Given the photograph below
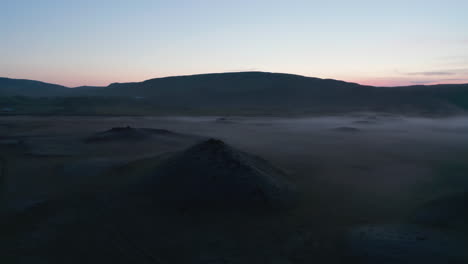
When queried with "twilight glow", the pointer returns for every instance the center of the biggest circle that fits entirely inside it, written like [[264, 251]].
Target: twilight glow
[[97, 42]]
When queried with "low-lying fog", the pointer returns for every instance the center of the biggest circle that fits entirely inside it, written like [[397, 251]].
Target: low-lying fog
[[367, 157], [349, 170], [364, 155]]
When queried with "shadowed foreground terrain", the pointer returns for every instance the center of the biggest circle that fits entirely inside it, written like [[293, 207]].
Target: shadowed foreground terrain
[[357, 188]]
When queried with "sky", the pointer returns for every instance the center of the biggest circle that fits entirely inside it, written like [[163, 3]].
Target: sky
[[98, 42]]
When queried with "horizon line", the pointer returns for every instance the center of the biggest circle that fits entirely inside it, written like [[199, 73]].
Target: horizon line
[[415, 83]]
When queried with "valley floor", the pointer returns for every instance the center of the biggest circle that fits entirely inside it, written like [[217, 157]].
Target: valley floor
[[360, 171]]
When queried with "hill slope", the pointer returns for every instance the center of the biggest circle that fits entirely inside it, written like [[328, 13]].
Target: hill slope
[[254, 89], [244, 91], [17, 87]]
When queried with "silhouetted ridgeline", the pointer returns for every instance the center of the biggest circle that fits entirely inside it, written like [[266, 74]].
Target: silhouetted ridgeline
[[17, 87], [237, 93]]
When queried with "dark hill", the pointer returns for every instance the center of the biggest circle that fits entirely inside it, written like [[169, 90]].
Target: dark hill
[[212, 174], [30, 88], [276, 91], [127, 134], [251, 89], [17, 87], [240, 92]]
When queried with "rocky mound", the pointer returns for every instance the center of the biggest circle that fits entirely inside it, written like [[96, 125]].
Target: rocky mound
[[127, 133], [213, 174]]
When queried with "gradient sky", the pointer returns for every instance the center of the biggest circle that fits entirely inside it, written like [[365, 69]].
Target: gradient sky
[[97, 42]]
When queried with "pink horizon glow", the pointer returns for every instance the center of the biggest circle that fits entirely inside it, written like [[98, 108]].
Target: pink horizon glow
[[107, 80], [398, 82]]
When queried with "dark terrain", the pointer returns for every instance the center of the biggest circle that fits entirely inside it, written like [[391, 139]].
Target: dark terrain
[[240, 168], [243, 93], [356, 188]]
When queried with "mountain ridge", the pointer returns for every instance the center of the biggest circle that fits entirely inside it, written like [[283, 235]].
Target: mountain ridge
[[248, 90], [2, 79]]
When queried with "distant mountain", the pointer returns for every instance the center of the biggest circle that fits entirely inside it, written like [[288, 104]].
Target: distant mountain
[[252, 89], [287, 91], [17, 87], [244, 91], [20, 87]]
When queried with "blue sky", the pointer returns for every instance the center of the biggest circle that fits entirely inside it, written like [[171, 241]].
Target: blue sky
[[102, 41]]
